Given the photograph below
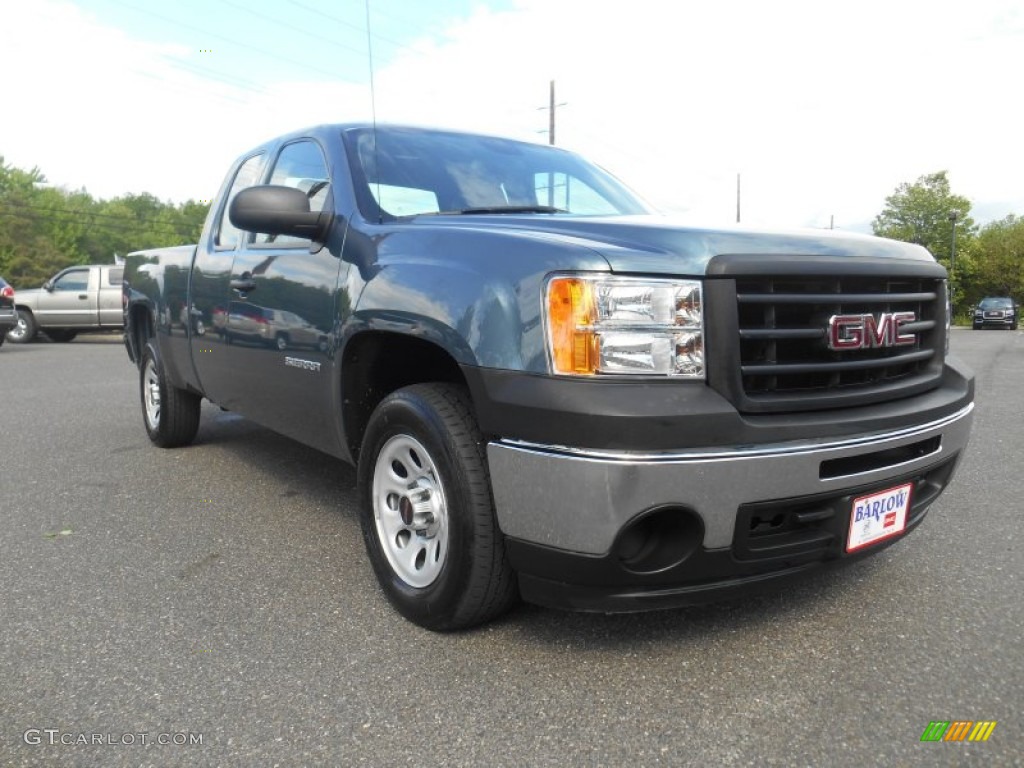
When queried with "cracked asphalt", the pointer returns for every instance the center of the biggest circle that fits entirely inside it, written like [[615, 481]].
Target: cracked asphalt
[[220, 594]]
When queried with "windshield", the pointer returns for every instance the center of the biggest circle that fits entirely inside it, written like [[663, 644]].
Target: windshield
[[996, 304], [409, 172]]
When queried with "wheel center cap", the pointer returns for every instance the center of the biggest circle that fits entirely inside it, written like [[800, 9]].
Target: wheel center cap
[[405, 510]]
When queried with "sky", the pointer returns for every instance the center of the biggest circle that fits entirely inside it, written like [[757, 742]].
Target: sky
[[822, 108]]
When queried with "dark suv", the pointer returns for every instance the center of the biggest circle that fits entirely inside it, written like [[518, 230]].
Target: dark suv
[[996, 312]]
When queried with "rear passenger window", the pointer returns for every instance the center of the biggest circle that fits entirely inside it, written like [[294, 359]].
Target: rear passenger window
[[300, 165], [248, 174], [115, 277]]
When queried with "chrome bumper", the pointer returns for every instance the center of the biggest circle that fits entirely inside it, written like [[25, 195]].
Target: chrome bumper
[[578, 500]]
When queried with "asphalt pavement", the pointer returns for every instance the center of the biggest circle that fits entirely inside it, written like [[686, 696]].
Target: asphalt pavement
[[218, 598]]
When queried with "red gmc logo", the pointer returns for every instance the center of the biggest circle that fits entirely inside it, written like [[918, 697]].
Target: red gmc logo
[[868, 332]]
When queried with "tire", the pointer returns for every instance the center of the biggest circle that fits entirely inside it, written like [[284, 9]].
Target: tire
[[61, 335], [171, 415], [281, 342], [25, 330], [3, 338], [427, 513]]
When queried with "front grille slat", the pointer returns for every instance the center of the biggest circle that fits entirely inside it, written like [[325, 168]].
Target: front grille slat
[[845, 365], [782, 333], [825, 298]]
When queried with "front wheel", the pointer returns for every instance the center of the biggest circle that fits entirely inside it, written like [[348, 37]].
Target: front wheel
[[171, 415], [427, 513], [25, 330]]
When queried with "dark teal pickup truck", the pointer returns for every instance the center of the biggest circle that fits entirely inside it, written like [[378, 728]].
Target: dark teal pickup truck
[[549, 391]]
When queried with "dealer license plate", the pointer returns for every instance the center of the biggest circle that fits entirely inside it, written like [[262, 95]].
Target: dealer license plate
[[878, 516]]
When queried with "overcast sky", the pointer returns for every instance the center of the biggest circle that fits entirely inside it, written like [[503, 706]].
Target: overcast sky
[[823, 107]]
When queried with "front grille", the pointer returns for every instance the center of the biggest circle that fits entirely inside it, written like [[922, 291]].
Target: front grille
[[783, 328]]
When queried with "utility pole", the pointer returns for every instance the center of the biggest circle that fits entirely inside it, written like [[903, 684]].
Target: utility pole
[[551, 115], [551, 107], [952, 250]]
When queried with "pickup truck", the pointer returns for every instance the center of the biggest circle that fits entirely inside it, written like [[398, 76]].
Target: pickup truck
[[76, 299], [549, 392]]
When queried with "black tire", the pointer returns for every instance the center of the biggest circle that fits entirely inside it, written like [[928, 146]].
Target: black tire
[[171, 415], [429, 430], [281, 341], [61, 335], [25, 330], [3, 338]]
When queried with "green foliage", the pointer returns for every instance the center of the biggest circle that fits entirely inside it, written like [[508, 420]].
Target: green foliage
[[999, 261], [920, 213], [43, 229], [924, 213]]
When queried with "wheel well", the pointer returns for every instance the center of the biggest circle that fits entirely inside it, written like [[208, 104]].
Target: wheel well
[[375, 364], [141, 325]]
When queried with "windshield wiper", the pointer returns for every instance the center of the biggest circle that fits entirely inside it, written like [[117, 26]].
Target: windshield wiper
[[503, 209]]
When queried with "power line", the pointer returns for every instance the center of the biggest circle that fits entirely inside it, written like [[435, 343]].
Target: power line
[[356, 27], [279, 22], [208, 34], [125, 222], [127, 231]]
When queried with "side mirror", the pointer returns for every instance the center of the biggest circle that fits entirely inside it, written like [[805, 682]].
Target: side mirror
[[278, 210], [48, 286]]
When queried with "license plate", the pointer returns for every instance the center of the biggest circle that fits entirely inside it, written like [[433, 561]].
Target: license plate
[[878, 516]]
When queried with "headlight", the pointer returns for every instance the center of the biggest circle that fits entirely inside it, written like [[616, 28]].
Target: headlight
[[624, 325]]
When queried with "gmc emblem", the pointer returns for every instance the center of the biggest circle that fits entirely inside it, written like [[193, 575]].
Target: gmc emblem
[[847, 332]]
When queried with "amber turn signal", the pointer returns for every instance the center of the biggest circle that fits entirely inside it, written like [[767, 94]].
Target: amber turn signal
[[571, 316]]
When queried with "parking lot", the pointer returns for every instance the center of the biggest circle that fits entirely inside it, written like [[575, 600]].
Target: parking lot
[[218, 598]]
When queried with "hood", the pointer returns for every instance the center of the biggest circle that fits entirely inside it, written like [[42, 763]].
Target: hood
[[660, 245]]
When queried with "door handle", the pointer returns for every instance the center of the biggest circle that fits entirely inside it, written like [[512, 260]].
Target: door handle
[[243, 284], [83, 296]]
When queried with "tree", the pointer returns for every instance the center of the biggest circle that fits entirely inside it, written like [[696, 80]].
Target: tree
[[44, 229], [999, 259], [921, 213]]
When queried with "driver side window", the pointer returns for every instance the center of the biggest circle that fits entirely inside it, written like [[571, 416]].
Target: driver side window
[[77, 280], [248, 174], [300, 165]]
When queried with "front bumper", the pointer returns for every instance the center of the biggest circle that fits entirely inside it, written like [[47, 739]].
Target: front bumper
[[994, 322], [759, 514]]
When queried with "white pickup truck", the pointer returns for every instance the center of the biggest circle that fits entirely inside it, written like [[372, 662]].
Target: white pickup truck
[[79, 298]]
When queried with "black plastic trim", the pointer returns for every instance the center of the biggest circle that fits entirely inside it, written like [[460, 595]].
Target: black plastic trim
[[645, 415], [783, 265]]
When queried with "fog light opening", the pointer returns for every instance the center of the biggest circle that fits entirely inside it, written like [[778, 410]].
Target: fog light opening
[[659, 539]]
